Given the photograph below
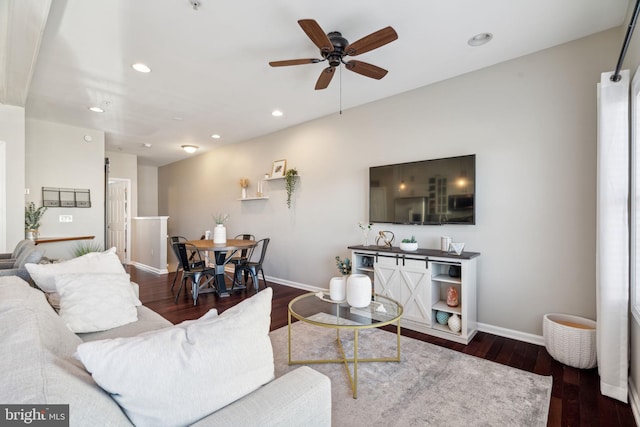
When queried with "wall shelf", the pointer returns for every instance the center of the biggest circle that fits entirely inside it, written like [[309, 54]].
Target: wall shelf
[[246, 199]]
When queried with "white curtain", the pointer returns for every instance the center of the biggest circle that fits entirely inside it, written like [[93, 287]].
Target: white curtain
[[612, 235]]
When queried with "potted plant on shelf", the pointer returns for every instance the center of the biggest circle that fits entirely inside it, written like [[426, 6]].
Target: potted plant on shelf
[[290, 183], [32, 218], [409, 244]]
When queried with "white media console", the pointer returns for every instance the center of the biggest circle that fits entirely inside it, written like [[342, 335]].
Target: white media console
[[419, 280]]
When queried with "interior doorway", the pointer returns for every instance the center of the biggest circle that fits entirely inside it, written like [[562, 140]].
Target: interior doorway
[[119, 218]]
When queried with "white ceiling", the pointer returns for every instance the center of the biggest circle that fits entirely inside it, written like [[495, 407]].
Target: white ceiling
[[210, 66]]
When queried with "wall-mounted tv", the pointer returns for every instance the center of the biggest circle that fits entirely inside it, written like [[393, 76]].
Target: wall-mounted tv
[[428, 192]]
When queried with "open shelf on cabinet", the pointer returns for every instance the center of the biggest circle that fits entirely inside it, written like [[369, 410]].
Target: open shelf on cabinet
[[444, 328], [447, 279], [442, 306]]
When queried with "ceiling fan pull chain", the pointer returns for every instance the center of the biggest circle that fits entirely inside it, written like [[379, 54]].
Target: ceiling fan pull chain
[[340, 90]]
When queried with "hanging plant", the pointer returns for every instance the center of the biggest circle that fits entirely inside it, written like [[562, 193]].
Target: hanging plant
[[290, 183]]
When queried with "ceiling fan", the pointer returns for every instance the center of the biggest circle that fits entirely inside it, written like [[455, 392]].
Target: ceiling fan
[[333, 48]]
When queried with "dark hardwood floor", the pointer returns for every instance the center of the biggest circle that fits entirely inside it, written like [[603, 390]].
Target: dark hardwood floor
[[575, 397]]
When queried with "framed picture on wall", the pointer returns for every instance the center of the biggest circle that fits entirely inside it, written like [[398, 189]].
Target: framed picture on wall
[[279, 168]]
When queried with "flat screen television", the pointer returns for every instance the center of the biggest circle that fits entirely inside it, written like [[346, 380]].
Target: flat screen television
[[428, 192]]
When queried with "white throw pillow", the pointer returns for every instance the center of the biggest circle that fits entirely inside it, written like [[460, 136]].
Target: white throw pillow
[[91, 302], [178, 375], [94, 262]]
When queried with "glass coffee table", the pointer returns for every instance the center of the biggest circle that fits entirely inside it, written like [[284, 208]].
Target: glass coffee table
[[319, 310]]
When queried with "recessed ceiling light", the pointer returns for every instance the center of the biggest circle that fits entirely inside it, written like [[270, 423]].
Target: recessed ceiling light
[[480, 39], [215, 136], [190, 148], [96, 109], [146, 145], [277, 113], [140, 67]]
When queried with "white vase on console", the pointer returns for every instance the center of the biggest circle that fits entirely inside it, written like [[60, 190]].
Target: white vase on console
[[220, 234]]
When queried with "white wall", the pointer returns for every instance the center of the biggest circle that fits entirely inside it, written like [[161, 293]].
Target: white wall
[[530, 121], [12, 132], [58, 156], [147, 190]]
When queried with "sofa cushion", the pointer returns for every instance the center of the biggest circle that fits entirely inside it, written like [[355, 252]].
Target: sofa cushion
[[38, 367], [199, 368], [148, 320], [91, 302], [94, 262]]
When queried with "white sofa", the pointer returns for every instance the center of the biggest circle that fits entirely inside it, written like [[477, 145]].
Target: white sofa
[[38, 367]]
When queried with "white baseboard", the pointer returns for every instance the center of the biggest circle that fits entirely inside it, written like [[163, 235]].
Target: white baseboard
[[149, 268], [510, 333]]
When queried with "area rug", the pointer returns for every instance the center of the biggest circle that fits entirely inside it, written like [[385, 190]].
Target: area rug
[[431, 386]]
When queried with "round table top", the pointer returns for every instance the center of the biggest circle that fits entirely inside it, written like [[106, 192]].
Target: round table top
[[230, 244], [319, 309]]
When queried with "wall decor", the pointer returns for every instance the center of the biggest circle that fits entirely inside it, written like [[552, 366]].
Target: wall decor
[[66, 197], [279, 168]]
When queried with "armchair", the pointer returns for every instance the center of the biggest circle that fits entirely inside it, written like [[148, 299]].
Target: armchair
[[29, 254]]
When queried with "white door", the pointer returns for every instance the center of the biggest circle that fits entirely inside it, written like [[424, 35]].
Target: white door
[[118, 217]]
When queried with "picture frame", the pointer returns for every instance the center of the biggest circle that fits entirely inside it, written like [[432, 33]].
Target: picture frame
[[279, 169]]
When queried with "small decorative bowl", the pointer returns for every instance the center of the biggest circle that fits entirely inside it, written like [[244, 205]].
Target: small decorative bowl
[[408, 246]]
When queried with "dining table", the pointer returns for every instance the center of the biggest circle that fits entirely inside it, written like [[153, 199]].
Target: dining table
[[223, 253]]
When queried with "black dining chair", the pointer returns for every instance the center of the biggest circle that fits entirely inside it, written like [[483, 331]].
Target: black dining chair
[[253, 267], [172, 241], [192, 269], [241, 256]]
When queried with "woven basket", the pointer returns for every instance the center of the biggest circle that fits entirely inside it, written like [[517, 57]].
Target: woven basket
[[570, 339]]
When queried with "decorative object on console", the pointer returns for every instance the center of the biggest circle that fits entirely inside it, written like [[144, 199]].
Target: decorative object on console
[[366, 228], [290, 184], [244, 183], [385, 238], [359, 290], [220, 232], [344, 266], [454, 323], [456, 248], [452, 297], [442, 317], [454, 271], [409, 244], [338, 288], [444, 243], [32, 218]]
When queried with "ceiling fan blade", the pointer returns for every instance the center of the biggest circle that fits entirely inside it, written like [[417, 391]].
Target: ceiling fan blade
[[316, 34], [366, 69], [294, 62], [325, 78], [372, 41]]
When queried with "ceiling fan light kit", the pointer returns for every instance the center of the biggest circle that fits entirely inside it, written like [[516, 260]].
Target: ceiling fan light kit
[[334, 48]]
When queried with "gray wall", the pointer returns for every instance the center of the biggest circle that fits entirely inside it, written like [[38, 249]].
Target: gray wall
[[530, 121], [58, 156]]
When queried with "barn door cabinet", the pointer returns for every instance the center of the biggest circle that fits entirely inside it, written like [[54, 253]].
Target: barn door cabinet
[[420, 280]]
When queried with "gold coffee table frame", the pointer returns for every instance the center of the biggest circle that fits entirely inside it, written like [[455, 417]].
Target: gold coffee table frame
[[342, 311]]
